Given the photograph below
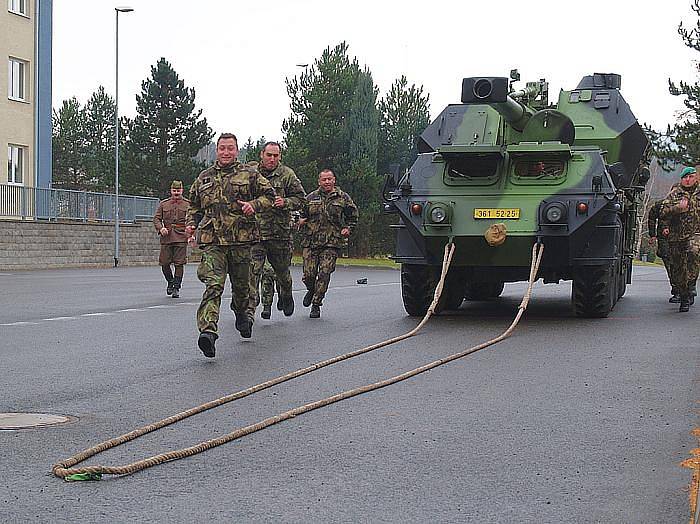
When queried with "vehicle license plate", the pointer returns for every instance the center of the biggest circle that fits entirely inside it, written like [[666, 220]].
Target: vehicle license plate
[[512, 214]]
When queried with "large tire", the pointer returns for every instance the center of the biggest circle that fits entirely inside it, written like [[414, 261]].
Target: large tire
[[594, 291], [418, 288], [453, 291], [483, 290], [622, 282]]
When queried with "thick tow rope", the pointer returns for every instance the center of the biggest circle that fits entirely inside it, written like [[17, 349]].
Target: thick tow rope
[[66, 470]]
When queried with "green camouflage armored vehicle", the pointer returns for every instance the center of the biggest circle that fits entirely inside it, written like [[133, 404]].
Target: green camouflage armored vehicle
[[505, 169]]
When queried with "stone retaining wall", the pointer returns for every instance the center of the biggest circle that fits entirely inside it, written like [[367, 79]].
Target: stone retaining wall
[[43, 245]]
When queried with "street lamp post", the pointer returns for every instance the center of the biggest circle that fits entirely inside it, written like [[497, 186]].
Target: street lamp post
[[117, 10]]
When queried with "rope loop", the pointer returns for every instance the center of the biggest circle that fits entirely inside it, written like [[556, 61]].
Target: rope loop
[[65, 469]]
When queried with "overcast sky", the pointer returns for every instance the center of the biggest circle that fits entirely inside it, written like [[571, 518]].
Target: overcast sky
[[237, 54]]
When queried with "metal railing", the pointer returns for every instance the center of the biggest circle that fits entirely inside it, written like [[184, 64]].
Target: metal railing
[[64, 204]]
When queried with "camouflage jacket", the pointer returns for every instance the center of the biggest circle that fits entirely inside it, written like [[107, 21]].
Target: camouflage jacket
[[214, 206], [655, 222], [327, 214], [171, 214], [275, 223], [683, 223]]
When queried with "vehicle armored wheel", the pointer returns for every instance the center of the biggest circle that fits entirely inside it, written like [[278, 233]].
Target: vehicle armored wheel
[[594, 290], [483, 290], [416, 288], [418, 284]]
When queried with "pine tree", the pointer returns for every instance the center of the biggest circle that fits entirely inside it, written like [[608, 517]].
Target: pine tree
[[680, 144], [316, 133], [69, 146], [405, 113], [99, 126], [165, 135]]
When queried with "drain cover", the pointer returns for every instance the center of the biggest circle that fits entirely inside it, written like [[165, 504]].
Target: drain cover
[[31, 420]]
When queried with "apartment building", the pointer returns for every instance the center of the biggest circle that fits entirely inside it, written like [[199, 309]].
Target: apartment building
[[25, 92]]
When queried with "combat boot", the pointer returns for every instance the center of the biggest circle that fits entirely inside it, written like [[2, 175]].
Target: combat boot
[[244, 324], [266, 311], [315, 311], [171, 283], [206, 343], [308, 298], [288, 308], [685, 304], [675, 299], [177, 283]]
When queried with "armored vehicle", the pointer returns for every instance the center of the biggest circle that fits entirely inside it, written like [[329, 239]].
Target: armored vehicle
[[506, 169]]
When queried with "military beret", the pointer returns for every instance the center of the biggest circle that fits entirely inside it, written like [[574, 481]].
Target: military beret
[[687, 171], [176, 184]]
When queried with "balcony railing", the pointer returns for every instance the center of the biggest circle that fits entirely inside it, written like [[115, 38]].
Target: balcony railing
[[63, 204]]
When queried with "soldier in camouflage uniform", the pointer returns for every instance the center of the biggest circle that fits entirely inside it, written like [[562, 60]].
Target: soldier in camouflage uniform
[[326, 222], [658, 232], [682, 208], [169, 221], [223, 201], [275, 244]]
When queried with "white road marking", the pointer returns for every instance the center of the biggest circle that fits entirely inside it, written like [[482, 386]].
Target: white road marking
[[169, 306]]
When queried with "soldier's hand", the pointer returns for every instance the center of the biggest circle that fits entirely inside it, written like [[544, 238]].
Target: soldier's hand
[[163, 231], [189, 230], [683, 204], [652, 240], [345, 232], [192, 241], [665, 231], [301, 222], [246, 207], [279, 202]]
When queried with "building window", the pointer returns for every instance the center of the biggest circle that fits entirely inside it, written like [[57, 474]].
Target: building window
[[17, 80], [15, 164], [17, 6]]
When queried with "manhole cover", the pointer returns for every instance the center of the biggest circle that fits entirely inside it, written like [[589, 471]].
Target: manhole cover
[[31, 420]]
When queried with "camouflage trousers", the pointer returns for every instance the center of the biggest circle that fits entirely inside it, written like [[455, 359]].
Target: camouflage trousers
[[319, 263], [279, 254], [663, 253], [267, 285], [217, 262], [684, 264]]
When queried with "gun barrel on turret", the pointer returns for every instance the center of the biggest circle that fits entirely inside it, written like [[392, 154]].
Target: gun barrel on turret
[[493, 91]]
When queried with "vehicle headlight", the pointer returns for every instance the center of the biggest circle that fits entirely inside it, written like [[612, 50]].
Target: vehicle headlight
[[555, 212], [438, 214]]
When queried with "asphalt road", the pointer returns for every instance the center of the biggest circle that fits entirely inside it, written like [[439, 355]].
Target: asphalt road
[[569, 420]]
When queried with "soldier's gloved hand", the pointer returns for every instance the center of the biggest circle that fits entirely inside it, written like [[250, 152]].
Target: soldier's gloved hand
[[246, 207]]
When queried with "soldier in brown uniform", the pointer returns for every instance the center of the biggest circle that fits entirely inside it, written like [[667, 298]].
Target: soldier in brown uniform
[[327, 219], [169, 222], [223, 201]]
